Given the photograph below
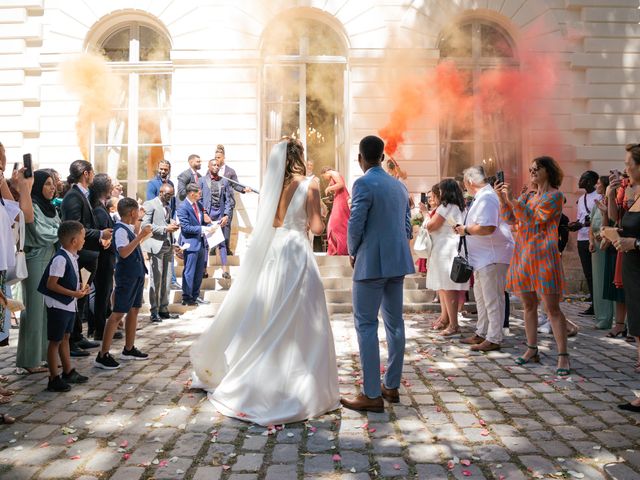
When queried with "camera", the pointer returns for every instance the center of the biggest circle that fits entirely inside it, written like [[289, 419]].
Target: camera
[[587, 221]]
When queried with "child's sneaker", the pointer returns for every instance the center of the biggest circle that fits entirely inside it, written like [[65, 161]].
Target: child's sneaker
[[74, 377], [106, 362], [57, 384], [133, 354]]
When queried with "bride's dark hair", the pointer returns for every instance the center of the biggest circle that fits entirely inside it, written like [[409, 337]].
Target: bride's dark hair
[[295, 160]]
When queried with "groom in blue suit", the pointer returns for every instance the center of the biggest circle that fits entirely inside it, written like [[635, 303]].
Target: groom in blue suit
[[192, 232], [378, 237]]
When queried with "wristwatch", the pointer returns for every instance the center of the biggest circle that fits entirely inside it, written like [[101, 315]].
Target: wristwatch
[[466, 232]]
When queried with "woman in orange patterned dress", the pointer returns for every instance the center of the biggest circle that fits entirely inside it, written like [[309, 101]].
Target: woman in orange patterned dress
[[536, 267]]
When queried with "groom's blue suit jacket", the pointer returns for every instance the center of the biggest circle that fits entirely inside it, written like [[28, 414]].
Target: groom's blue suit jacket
[[380, 227]]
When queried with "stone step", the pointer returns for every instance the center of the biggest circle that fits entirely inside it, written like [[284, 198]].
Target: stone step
[[332, 307], [410, 296], [232, 260], [336, 271], [332, 260]]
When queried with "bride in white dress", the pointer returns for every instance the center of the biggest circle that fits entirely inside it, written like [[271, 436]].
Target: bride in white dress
[[268, 356]]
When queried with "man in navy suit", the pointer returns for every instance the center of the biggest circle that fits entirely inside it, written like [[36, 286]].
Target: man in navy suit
[[193, 227], [378, 237], [218, 201], [228, 172]]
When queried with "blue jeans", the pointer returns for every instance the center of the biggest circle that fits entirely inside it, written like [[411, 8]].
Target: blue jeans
[[368, 297]]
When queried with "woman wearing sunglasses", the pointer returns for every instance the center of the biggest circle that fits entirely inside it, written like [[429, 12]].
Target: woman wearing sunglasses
[[536, 267]]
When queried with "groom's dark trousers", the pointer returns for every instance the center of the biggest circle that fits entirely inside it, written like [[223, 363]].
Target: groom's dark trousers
[[369, 296]]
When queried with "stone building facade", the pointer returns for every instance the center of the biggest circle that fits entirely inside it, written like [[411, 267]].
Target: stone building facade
[[197, 73]]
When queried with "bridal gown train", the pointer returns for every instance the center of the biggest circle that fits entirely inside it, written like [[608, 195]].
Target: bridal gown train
[[280, 362]]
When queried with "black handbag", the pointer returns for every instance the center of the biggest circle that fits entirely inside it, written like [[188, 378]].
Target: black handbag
[[461, 270]]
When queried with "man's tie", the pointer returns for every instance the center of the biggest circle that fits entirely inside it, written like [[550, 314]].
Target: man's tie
[[195, 210]]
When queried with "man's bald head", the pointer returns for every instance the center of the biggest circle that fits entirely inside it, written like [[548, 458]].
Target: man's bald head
[[166, 189]]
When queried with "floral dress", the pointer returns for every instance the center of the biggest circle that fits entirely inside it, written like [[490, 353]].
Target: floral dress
[[536, 265]]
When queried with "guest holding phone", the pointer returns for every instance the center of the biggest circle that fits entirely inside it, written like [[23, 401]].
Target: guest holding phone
[[629, 245], [536, 268]]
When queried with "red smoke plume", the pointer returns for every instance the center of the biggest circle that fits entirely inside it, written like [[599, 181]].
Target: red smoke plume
[[443, 93]]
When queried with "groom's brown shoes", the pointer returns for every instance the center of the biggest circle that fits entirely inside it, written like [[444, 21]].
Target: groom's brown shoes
[[391, 395], [362, 403]]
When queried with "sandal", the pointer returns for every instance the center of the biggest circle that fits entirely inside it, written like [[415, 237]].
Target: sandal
[[448, 333], [615, 333], [6, 419], [4, 399], [439, 324], [6, 392], [535, 358], [33, 370], [4, 379], [563, 372]]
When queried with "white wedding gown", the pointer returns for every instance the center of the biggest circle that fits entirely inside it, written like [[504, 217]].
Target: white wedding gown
[[268, 357]]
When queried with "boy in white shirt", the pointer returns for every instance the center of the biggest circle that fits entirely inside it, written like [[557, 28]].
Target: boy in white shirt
[[62, 286]]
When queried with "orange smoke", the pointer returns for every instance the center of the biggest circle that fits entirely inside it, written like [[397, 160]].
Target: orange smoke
[[440, 92], [515, 94], [97, 88]]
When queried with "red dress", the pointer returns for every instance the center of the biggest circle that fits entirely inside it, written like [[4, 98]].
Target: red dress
[[536, 265], [338, 220]]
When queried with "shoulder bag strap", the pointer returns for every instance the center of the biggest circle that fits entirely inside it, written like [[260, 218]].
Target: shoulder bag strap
[[21, 232]]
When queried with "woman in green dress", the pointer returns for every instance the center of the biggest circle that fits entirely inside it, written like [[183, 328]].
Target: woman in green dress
[[603, 308], [39, 246]]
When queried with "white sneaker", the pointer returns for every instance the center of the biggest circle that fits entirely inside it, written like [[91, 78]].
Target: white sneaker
[[461, 318], [544, 327], [543, 323]]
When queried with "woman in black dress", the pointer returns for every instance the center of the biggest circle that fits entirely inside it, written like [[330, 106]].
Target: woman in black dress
[[629, 243]]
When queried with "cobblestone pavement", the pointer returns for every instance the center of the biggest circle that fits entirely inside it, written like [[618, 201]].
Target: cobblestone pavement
[[461, 415]]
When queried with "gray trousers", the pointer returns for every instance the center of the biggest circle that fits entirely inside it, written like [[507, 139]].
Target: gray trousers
[[160, 279]]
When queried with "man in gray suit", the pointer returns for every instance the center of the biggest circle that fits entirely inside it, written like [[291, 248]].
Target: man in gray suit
[[159, 246], [378, 238]]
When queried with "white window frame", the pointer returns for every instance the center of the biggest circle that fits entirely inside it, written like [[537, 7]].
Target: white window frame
[[134, 69]]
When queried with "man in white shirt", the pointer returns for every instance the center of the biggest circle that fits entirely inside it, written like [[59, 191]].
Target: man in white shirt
[[586, 203], [490, 247]]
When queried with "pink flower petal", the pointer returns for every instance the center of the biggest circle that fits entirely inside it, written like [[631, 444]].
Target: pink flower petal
[[372, 430], [163, 463], [43, 445], [336, 457], [126, 456], [313, 429], [396, 466], [438, 408], [465, 462], [451, 465], [482, 422], [75, 457], [484, 433], [466, 473], [226, 467], [124, 444]]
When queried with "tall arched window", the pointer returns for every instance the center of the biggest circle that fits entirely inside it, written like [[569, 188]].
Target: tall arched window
[[481, 137], [137, 137], [304, 88]]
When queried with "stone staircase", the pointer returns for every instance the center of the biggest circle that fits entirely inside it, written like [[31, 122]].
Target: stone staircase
[[336, 278]]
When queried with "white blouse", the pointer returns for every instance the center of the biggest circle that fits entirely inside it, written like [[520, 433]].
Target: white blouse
[[8, 214]]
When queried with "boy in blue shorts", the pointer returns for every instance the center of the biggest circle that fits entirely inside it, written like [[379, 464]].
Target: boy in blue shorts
[[62, 287], [129, 283]]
